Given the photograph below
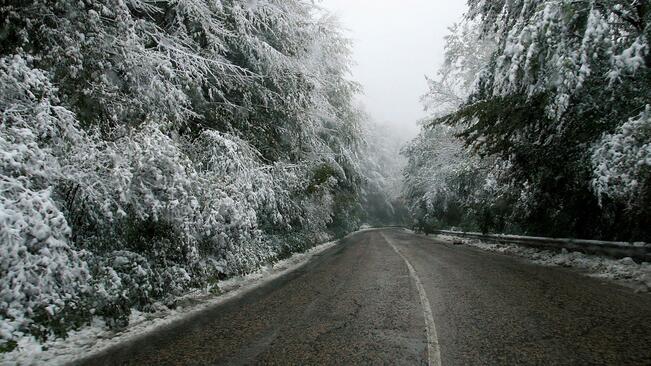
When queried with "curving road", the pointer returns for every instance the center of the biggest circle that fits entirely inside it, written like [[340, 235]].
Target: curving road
[[388, 297]]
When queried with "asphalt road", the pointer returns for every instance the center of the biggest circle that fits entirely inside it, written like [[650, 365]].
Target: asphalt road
[[387, 297]]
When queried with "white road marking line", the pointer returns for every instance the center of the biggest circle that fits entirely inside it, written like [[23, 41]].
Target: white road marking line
[[433, 349]]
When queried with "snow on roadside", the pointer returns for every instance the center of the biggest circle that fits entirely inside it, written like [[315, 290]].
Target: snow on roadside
[[96, 337], [625, 271]]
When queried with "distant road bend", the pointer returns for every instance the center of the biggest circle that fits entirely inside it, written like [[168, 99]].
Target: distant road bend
[[394, 298]]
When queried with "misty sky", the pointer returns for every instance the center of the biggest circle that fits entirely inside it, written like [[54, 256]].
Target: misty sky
[[397, 43]]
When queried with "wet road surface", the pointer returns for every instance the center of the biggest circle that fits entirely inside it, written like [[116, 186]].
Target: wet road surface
[[388, 297]]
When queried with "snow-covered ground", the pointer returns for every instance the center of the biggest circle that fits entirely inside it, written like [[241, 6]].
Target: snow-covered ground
[[625, 271], [97, 337]]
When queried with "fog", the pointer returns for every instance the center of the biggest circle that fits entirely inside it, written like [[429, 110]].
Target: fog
[[397, 43]]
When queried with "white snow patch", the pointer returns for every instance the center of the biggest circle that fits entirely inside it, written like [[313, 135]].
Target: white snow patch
[[96, 337], [625, 271]]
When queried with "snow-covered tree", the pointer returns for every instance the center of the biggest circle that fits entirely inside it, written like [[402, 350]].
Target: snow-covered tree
[[563, 74], [622, 167], [382, 165], [185, 141], [466, 55], [445, 183], [42, 274]]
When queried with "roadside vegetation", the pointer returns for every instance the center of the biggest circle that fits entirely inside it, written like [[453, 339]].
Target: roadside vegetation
[[152, 147], [540, 123]]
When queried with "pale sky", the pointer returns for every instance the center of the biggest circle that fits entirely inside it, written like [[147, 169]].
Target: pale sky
[[397, 43]]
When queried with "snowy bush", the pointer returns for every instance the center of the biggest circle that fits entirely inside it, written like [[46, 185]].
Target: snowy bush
[[622, 160], [184, 143], [144, 175], [122, 280], [42, 273], [235, 189]]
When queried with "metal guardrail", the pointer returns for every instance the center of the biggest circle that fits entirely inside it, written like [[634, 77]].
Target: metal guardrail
[[638, 251]]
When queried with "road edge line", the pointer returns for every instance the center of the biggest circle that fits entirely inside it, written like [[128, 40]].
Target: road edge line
[[433, 348]]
